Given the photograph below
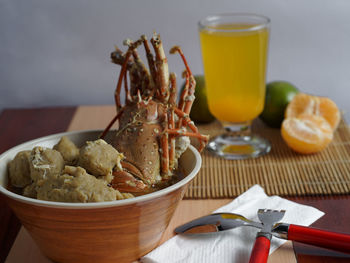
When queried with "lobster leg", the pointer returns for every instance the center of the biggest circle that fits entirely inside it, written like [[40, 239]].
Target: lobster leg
[[126, 182], [172, 143], [189, 98], [175, 49], [131, 168], [183, 132], [120, 80], [184, 93], [173, 90], [187, 121], [172, 101], [165, 148]]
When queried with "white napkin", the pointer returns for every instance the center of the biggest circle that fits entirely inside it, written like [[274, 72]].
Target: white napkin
[[233, 245]]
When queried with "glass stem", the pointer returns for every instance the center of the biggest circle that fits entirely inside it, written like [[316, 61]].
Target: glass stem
[[238, 129]]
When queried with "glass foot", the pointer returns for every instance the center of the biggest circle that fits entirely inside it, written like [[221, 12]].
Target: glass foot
[[238, 147]]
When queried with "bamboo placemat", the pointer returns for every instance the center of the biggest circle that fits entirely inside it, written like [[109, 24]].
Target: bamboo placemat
[[281, 172]]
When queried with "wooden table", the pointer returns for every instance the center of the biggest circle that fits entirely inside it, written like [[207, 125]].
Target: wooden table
[[20, 125]]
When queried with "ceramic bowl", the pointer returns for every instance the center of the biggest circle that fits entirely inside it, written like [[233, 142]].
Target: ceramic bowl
[[115, 231]]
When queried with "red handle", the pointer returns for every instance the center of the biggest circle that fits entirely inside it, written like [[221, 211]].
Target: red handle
[[260, 250], [320, 238]]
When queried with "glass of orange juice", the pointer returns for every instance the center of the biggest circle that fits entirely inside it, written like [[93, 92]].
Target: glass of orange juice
[[234, 52]]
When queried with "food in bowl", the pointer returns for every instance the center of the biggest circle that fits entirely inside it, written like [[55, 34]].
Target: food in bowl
[[154, 131], [67, 173]]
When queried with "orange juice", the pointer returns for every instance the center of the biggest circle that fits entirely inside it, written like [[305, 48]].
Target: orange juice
[[234, 59]]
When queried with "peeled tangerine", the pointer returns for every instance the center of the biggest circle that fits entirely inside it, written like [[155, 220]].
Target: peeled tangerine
[[320, 106], [309, 123], [307, 133]]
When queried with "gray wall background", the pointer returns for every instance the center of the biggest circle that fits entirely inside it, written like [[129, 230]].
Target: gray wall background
[[57, 52]]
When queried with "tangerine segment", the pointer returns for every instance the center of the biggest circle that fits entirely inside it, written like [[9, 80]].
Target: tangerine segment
[[321, 106], [301, 104], [307, 133], [329, 110]]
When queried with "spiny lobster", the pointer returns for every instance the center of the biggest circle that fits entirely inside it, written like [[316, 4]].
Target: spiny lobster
[[154, 129]]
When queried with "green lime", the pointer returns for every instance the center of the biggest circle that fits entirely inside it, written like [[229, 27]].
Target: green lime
[[200, 112], [278, 96]]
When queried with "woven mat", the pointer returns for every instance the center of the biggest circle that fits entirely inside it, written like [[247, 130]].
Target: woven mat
[[281, 172]]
